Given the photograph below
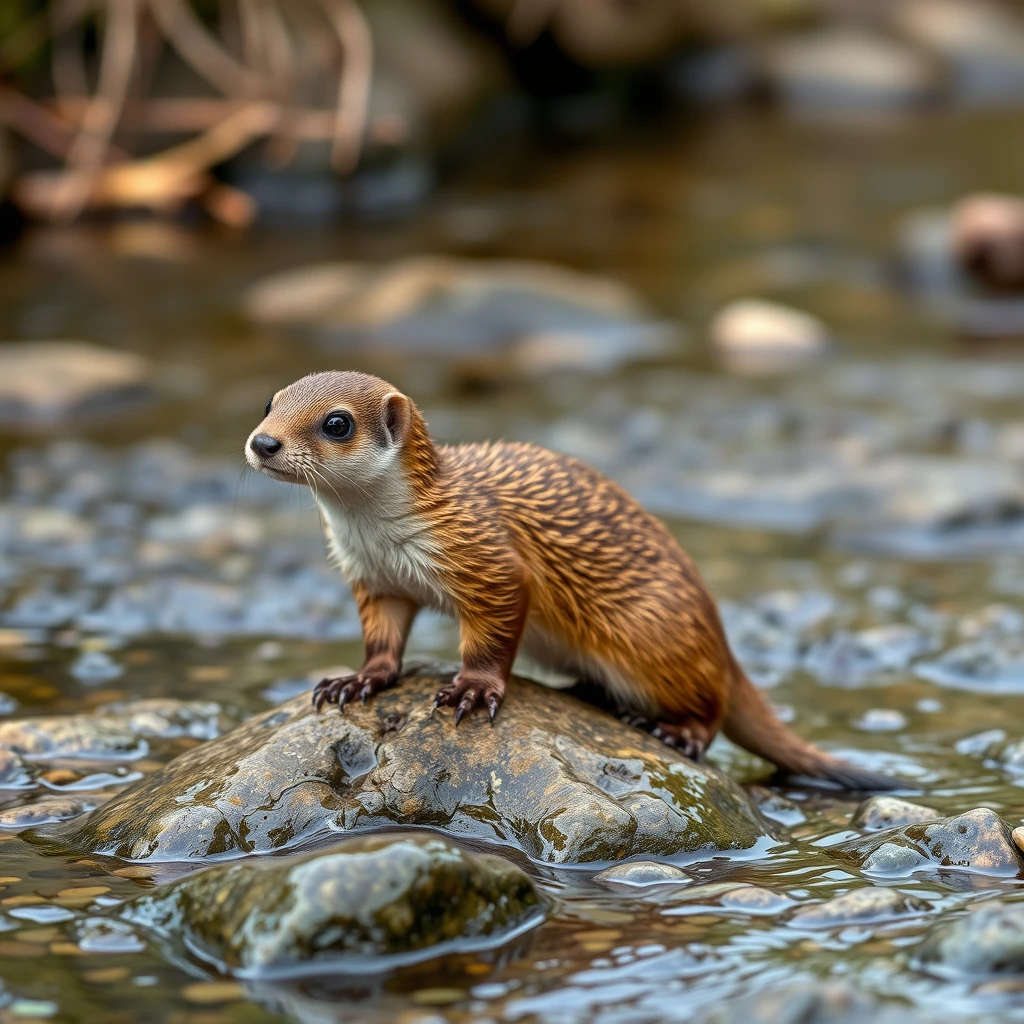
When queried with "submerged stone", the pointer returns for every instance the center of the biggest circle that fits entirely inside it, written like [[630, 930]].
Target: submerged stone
[[809, 1003], [441, 306], [978, 841], [988, 940], [115, 732], [878, 812], [640, 874], [43, 811], [369, 897], [563, 781], [859, 906]]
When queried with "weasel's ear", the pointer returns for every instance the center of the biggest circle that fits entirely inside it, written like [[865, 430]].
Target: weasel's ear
[[397, 416]]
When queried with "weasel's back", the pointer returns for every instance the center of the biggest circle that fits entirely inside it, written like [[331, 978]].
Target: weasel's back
[[596, 556]]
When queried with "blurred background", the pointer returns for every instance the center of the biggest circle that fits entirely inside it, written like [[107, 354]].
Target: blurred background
[[762, 261]]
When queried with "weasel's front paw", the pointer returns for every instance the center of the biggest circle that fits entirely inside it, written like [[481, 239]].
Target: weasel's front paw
[[470, 690], [341, 690]]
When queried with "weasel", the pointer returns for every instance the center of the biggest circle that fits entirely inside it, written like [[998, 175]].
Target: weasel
[[525, 548]]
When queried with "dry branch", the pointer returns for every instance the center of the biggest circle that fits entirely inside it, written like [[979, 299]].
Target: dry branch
[[281, 58]]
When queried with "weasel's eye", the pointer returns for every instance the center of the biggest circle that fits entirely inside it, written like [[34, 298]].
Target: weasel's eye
[[339, 426], [266, 412]]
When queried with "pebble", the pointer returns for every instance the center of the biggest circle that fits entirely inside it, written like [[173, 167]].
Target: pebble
[[1018, 837], [881, 720], [437, 996], [84, 891], [641, 874], [210, 993], [106, 975], [751, 335], [33, 1009], [879, 812]]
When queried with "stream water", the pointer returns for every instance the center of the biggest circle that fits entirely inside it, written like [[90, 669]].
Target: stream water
[[857, 519]]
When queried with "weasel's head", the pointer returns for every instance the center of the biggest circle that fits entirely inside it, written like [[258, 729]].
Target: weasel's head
[[339, 433]]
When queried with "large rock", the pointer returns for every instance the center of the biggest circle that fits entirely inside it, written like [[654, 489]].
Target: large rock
[[534, 315], [978, 841], [43, 383], [373, 896], [563, 781], [989, 940]]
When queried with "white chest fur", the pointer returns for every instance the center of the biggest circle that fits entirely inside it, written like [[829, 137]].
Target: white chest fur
[[391, 554]]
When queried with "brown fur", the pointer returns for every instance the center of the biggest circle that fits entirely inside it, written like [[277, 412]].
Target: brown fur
[[525, 539]]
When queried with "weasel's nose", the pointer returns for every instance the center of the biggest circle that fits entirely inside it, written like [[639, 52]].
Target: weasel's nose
[[264, 445]]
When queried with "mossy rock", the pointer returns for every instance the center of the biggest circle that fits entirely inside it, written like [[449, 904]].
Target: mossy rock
[[386, 896], [561, 780]]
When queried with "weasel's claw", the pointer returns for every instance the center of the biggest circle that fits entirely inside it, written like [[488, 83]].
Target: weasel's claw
[[465, 695], [342, 690], [466, 705]]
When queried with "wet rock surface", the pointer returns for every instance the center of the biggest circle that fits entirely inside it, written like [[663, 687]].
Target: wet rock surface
[[976, 841], [349, 907], [595, 791]]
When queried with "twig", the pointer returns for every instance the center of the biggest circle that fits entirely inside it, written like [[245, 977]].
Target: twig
[[354, 82], [38, 124], [197, 114], [159, 181], [281, 67], [198, 48], [86, 156]]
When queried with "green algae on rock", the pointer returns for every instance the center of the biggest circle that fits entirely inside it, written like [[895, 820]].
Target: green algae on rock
[[381, 896], [978, 841], [563, 781]]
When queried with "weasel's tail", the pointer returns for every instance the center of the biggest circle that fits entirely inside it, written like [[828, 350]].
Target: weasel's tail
[[754, 725]]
